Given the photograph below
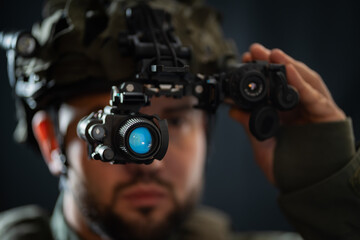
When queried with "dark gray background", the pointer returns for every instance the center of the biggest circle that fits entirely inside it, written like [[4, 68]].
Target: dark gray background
[[323, 35]]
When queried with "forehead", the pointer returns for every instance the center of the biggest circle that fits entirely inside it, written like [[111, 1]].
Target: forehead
[[73, 110], [159, 105]]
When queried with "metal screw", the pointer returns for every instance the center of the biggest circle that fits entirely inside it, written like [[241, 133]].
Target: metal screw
[[199, 89], [128, 12], [153, 68], [130, 87]]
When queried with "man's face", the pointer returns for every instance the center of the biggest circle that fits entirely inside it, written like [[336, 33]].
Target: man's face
[[135, 199]]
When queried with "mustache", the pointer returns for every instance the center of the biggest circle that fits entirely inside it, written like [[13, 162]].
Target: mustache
[[142, 177]]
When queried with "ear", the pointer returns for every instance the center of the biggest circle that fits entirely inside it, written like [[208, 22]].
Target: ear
[[44, 133]]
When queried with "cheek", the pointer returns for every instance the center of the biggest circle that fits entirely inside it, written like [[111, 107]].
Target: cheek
[[97, 178], [76, 154], [184, 163], [80, 176]]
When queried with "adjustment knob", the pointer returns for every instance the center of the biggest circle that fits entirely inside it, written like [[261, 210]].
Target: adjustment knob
[[97, 132], [105, 153], [287, 98], [264, 122]]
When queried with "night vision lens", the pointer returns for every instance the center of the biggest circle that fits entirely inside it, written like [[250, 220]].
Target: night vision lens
[[254, 87], [140, 140]]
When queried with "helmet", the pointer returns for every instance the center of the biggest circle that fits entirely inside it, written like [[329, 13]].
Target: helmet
[[76, 50]]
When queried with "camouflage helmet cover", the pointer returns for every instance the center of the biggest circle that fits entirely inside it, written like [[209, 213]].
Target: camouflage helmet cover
[[78, 47]]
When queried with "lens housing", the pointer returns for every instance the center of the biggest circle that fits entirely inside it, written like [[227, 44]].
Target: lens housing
[[125, 131], [253, 87]]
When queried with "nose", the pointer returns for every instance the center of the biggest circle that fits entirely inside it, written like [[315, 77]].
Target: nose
[[144, 170]]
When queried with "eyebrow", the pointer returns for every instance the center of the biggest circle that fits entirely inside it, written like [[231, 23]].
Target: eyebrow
[[167, 110], [180, 108]]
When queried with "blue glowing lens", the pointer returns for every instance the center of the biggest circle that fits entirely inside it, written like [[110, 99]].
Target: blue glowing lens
[[140, 140]]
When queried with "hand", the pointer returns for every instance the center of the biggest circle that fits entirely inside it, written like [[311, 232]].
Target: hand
[[316, 104]]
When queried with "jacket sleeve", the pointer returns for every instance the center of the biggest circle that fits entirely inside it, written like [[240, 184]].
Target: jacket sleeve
[[26, 222], [317, 171]]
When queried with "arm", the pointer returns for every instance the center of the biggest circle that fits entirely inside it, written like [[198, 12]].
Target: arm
[[319, 181], [313, 155], [316, 104]]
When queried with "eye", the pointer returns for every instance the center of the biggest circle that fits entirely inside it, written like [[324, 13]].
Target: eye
[[175, 121]]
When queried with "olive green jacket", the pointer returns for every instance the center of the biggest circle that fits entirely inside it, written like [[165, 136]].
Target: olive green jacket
[[317, 171]]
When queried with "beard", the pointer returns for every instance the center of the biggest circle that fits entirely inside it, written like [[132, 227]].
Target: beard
[[103, 220]]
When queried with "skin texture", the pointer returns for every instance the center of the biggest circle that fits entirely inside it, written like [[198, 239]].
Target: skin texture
[[178, 177]]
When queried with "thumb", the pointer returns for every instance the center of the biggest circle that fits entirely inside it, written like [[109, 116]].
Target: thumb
[[240, 116]]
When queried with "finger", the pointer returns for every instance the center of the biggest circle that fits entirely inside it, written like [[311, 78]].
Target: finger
[[318, 107], [246, 57], [309, 75], [263, 150], [240, 116], [308, 95], [259, 52]]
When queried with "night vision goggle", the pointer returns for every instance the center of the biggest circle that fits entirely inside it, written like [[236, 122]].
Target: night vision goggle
[[119, 133]]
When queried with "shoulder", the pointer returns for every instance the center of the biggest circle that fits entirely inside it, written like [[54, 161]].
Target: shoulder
[[210, 223], [27, 222], [267, 235]]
